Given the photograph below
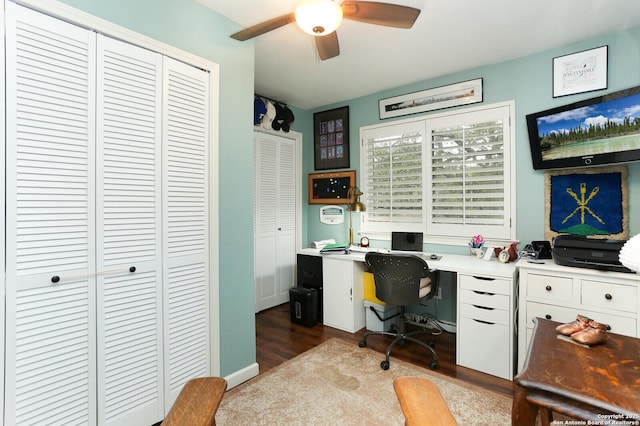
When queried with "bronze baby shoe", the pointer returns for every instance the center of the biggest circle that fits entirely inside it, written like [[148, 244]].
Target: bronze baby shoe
[[596, 333], [581, 323]]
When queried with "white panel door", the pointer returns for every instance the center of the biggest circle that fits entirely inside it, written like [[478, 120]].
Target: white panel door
[[128, 243], [50, 282], [275, 218], [185, 226]]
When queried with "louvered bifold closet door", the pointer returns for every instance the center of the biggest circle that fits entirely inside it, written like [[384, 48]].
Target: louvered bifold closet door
[[266, 200], [275, 218], [129, 283], [50, 355], [2, 231], [286, 241], [185, 225]]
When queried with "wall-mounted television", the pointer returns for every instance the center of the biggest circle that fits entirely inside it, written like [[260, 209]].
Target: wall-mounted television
[[596, 131]]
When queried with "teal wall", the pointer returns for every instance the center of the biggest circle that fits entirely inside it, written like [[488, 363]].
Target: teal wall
[[193, 28], [526, 80]]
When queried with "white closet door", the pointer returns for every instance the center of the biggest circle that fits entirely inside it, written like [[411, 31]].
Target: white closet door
[[2, 228], [266, 211], [50, 354], [129, 283], [286, 241], [275, 221], [185, 225]]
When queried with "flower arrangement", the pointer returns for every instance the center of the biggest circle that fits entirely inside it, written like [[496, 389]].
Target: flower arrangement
[[476, 245], [477, 241]]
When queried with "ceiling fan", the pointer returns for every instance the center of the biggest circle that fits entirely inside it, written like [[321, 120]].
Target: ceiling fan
[[321, 18]]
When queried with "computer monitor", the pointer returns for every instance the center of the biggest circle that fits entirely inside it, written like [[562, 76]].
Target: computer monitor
[[406, 241]]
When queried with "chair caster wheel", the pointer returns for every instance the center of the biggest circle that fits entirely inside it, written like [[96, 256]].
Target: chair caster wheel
[[362, 344], [434, 365], [384, 365]]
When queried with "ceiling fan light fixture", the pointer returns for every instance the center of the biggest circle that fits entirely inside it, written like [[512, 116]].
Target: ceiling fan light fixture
[[318, 17]]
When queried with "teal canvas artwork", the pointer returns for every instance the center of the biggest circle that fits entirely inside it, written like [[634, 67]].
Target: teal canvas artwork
[[587, 203]]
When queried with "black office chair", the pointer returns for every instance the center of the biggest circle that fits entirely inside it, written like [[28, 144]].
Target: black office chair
[[402, 280]]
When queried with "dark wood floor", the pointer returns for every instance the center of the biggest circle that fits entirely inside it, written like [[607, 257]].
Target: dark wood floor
[[279, 340]]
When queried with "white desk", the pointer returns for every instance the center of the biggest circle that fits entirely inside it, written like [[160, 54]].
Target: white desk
[[487, 296]]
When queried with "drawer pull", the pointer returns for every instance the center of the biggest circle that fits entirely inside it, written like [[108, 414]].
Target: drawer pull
[[132, 269], [608, 296], [483, 307], [548, 288], [484, 322], [55, 279], [483, 292], [484, 278], [548, 316]]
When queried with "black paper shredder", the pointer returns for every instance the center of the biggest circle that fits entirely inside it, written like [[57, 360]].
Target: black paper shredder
[[303, 305]]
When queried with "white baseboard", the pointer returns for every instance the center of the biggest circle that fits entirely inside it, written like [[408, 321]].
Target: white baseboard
[[241, 376]]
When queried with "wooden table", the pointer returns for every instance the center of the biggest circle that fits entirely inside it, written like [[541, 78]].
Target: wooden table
[[595, 384]]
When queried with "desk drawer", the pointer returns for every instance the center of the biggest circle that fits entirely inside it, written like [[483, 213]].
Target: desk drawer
[[489, 315], [557, 289], [482, 298], [550, 312], [619, 325], [489, 285], [484, 347], [615, 297]]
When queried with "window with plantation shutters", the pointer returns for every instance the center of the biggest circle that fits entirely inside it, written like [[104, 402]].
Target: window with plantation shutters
[[469, 170], [448, 175], [393, 177]]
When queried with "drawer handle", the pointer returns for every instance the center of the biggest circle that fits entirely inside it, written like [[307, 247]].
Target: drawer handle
[[483, 307], [548, 288], [483, 322], [483, 292], [548, 316], [608, 296], [483, 278], [132, 269], [55, 279]]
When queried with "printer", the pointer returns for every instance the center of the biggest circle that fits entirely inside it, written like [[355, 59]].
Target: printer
[[583, 252]]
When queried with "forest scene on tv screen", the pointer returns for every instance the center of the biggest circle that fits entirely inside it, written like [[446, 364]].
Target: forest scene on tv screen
[[610, 126]]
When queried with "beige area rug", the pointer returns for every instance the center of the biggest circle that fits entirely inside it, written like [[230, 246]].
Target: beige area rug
[[338, 383]]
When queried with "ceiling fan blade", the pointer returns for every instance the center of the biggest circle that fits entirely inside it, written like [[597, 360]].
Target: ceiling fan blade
[[327, 46], [389, 15], [264, 27]]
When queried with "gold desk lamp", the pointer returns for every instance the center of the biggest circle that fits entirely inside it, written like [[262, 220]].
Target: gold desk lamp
[[355, 205]]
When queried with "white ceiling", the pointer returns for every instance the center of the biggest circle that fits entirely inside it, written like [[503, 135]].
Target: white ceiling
[[449, 36]]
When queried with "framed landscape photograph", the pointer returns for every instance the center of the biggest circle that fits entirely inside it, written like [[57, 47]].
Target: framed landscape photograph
[[580, 72], [331, 139]]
